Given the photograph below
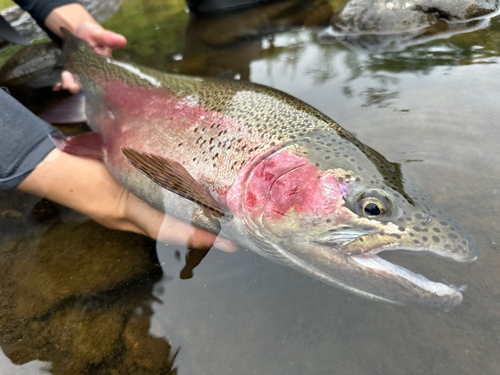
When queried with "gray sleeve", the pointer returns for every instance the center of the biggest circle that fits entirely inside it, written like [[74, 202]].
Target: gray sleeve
[[40, 9], [24, 141]]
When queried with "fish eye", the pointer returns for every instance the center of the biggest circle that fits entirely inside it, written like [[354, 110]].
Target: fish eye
[[372, 208], [373, 204]]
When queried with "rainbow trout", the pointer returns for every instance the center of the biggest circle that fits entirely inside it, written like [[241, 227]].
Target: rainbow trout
[[267, 171]]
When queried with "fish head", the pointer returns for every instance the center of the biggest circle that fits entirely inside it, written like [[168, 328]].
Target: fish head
[[330, 213]]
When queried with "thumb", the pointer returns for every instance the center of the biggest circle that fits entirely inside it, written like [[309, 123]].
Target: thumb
[[109, 39]]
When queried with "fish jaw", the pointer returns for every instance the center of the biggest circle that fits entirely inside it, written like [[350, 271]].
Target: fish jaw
[[372, 277], [374, 243]]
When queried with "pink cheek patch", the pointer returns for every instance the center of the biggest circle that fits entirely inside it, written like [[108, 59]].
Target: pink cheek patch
[[305, 191], [286, 182]]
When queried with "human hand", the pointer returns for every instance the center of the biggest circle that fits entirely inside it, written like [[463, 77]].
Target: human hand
[[86, 185], [101, 40]]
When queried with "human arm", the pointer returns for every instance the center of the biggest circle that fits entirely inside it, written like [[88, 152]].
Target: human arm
[[85, 185]]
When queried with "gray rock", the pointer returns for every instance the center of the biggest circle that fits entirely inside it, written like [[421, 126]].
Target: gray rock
[[380, 25]]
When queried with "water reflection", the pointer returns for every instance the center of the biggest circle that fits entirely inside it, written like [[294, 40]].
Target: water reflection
[[229, 43]]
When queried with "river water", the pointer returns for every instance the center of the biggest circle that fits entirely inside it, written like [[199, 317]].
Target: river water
[[76, 298]]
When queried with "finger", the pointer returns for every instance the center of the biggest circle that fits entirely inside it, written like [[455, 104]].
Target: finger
[[112, 40], [225, 245], [98, 37], [105, 51], [69, 83], [173, 231]]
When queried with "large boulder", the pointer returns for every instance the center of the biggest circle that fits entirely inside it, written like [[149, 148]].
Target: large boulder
[[380, 25]]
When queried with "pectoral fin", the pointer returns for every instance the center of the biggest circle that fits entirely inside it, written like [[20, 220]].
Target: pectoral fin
[[172, 176], [195, 256], [86, 144], [193, 259]]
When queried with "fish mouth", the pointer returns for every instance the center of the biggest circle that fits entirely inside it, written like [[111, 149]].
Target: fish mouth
[[391, 282], [372, 262], [378, 265]]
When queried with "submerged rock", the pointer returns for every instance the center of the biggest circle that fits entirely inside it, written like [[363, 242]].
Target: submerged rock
[[78, 295], [62, 266]]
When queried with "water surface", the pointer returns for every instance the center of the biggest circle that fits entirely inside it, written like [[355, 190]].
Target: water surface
[[80, 299]]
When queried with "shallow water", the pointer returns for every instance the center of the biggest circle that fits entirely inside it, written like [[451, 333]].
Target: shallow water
[[80, 299]]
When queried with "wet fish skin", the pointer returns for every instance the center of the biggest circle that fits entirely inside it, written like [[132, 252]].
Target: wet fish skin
[[33, 66], [300, 189]]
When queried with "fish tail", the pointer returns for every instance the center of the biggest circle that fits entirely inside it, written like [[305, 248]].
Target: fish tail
[[71, 47]]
